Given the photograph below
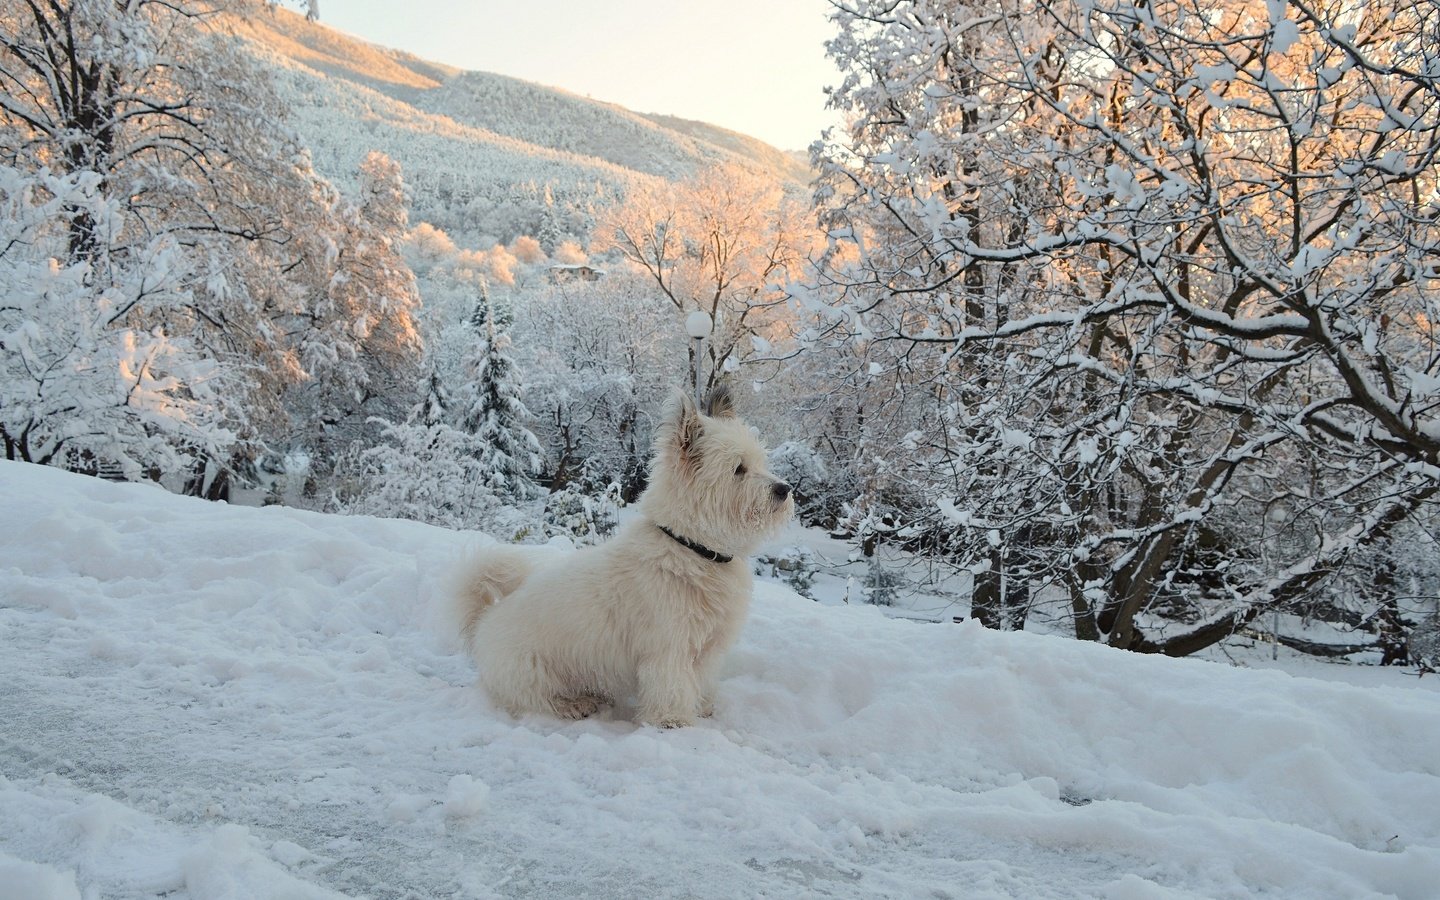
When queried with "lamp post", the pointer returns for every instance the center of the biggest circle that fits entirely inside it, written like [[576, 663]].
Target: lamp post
[[698, 326]]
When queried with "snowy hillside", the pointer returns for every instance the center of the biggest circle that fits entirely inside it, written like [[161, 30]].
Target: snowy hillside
[[472, 144], [207, 701]]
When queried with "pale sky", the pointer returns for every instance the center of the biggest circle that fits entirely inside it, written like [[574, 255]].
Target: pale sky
[[753, 66]]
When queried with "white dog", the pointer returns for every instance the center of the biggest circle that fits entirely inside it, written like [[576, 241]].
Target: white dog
[[649, 613]]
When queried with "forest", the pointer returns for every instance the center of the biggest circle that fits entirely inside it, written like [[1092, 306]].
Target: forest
[[1123, 314]]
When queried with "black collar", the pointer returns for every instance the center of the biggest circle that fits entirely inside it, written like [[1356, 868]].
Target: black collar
[[701, 549]]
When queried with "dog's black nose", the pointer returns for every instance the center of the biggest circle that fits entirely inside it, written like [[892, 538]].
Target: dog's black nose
[[781, 490]]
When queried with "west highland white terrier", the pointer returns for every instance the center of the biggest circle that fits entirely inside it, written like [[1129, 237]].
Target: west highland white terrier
[[651, 612]]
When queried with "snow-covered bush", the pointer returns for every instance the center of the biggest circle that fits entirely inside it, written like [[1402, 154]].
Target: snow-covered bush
[[527, 250], [796, 566], [1424, 644], [582, 516], [429, 473], [882, 586]]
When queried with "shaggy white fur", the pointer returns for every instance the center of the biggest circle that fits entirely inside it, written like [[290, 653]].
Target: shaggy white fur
[[647, 614]]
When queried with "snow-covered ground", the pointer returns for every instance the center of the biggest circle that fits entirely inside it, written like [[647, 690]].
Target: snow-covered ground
[[207, 701]]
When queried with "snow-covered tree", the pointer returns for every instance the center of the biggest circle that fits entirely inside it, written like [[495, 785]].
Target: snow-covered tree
[[1152, 290], [723, 242], [78, 388], [526, 250], [435, 403], [415, 470], [550, 232], [156, 138], [597, 355], [358, 337], [493, 413]]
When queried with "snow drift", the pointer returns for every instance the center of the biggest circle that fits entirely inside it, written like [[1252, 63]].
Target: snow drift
[[210, 701]]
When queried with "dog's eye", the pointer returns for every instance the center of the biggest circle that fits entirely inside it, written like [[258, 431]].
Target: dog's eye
[[740, 470]]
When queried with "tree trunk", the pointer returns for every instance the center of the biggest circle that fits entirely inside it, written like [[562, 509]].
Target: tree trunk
[[1086, 628], [1299, 582], [985, 597], [1000, 600]]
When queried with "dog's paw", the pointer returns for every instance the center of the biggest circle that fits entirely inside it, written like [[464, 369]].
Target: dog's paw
[[577, 707], [669, 720]]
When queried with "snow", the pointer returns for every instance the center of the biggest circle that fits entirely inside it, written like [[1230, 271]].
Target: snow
[[209, 701]]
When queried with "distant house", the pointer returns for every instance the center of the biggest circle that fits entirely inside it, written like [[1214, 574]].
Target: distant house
[[562, 273]]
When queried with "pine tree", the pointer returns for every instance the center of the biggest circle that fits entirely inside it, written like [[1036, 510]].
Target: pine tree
[[487, 310], [493, 412], [551, 233], [435, 406]]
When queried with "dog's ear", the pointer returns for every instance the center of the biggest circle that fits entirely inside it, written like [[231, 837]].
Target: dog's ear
[[681, 432], [721, 404]]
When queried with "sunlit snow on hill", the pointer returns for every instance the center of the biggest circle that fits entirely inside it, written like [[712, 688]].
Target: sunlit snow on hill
[[478, 149]]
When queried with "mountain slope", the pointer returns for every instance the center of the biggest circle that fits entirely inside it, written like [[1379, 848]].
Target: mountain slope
[[560, 120], [479, 150], [212, 701]]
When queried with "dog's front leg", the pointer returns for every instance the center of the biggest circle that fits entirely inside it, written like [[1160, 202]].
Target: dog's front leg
[[709, 677], [710, 659], [669, 691]]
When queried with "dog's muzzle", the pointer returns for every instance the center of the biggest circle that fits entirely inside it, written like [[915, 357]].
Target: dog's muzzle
[[780, 490]]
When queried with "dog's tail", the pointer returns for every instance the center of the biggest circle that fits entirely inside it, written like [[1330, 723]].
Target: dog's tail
[[489, 575]]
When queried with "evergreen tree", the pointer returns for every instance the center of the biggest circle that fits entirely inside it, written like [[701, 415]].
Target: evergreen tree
[[486, 310], [551, 233], [435, 406], [493, 412]]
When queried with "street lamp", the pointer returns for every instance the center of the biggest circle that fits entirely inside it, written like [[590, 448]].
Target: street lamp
[[698, 325]]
